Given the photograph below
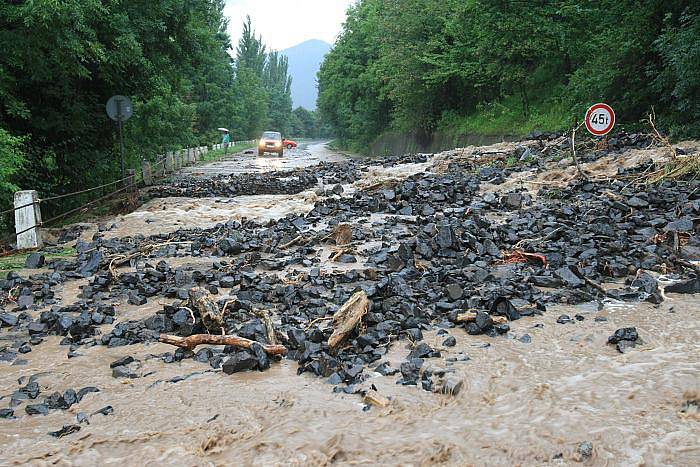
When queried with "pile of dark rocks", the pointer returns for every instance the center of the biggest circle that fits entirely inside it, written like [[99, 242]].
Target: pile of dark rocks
[[444, 249], [270, 183]]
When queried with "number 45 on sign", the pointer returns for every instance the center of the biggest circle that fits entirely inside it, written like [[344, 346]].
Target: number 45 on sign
[[600, 119]]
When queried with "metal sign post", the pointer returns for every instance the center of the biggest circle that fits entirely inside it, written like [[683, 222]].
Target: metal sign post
[[119, 109]]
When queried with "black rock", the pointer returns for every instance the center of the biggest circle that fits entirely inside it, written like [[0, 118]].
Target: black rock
[[31, 390], [86, 390], [444, 237], [584, 450], [240, 361], [34, 261], [70, 397], [203, 355], [481, 324], [104, 410], [123, 372], [230, 246], [227, 282], [37, 328], [624, 339], [449, 342], [122, 361], [689, 286], [7, 413], [65, 431], [7, 319], [422, 350], [646, 283], [81, 330], [261, 355], [385, 369], [569, 277], [681, 225], [503, 307], [37, 409], [296, 338], [89, 266], [7, 355], [414, 334], [25, 301], [628, 334], [63, 324], [410, 371], [455, 291], [136, 299], [564, 319]]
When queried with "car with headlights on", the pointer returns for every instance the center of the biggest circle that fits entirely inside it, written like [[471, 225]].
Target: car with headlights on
[[271, 141]]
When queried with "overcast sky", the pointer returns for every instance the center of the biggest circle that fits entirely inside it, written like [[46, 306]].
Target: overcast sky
[[285, 23]]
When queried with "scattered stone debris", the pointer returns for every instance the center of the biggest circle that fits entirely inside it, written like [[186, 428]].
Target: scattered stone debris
[[430, 250], [65, 431], [625, 339], [584, 451]]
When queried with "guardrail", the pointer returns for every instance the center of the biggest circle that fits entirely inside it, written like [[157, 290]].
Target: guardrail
[[27, 203]]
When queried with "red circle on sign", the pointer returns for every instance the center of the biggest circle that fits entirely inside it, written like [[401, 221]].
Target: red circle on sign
[[610, 124]]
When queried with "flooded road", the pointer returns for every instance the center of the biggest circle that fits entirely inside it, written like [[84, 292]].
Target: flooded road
[[305, 155], [530, 398]]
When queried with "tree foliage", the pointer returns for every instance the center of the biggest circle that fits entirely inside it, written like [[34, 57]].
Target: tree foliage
[[417, 64], [62, 60]]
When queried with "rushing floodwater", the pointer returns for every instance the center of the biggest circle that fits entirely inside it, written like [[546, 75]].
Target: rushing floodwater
[[521, 404]]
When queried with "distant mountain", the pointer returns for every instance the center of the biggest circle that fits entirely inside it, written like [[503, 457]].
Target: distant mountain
[[304, 61]]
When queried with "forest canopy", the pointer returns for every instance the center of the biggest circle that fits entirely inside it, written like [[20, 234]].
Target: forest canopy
[[62, 60], [503, 67]]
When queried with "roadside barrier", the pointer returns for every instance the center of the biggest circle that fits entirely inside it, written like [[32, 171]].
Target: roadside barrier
[[27, 203]]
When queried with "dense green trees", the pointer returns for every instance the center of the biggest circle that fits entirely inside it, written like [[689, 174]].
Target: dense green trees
[[62, 60], [510, 67]]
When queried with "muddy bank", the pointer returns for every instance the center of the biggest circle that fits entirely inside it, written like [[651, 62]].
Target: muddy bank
[[512, 317]]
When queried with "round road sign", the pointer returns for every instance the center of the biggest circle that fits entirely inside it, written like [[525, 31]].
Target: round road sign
[[119, 108], [600, 119]]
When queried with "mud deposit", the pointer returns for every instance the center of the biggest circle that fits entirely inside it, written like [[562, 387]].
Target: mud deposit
[[547, 273]]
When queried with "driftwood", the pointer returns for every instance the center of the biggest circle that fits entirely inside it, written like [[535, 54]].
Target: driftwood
[[264, 315], [292, 242], [212, 318], [470, 316], [347, 317], [374, 398], [193, 341]]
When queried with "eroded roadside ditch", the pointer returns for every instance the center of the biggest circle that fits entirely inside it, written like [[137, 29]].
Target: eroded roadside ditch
[[499, 293]]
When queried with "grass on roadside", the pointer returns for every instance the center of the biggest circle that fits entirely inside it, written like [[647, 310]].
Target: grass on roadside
[[217, 154], [16, 261], [507, 118]]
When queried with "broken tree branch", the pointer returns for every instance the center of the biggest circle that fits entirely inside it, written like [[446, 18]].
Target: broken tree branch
[[470, 316], [291, 243], [347, 317], [573, 151], [264, 315], [658, 137], [194, 340]]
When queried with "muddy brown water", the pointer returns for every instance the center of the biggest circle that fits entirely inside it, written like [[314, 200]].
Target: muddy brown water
[[521, 403]]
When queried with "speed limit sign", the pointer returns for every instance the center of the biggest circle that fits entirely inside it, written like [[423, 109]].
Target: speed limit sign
[[600, 119]]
